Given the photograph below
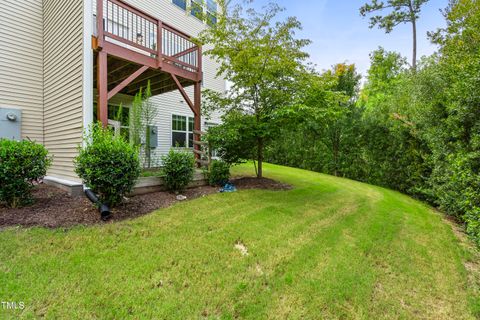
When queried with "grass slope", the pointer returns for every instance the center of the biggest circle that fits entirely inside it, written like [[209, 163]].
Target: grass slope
[[330, 248]]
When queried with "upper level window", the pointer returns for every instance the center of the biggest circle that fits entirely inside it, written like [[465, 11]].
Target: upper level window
[[181, 3], [211, 12], [205, 10], [197, 9]]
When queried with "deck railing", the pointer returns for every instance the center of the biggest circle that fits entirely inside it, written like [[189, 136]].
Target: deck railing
[[129, 27]]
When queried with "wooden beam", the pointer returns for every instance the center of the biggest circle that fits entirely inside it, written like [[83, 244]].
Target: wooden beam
[[118, 66], [154, 86], [197, 125], [160, 44], [100, 35], [147, 76], [199, 132], [170, 68], [184, 94], [178, 55], [95, 43], [102, 87], [125, 82], [129, 55]]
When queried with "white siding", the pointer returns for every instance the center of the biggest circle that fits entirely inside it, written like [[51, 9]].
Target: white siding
[[21, 63], [63, 81]]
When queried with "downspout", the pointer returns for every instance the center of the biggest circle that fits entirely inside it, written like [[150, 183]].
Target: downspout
[[102, 208]]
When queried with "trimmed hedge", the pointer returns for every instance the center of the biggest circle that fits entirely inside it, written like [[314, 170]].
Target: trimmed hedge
[[21, 163], [178, 170], [219, 173], [108, 165]]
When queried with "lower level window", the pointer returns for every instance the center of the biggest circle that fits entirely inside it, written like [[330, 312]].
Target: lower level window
[[182, 131]]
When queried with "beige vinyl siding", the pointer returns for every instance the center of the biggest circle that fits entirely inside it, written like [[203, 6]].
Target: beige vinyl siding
[[21, 63], [63, 83]]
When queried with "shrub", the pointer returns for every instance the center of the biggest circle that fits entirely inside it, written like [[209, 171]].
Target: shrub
[[178, 170], [108, 165], [219, 173], [21, 163]]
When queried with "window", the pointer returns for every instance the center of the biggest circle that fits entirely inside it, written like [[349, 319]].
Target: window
[[197, 9], [120, 115], [211, 12], [182, 4], [182, 131]]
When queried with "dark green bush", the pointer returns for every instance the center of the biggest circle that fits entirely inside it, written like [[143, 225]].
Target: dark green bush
[[108, 165], [21, 163], [219, 173], [178, 169]]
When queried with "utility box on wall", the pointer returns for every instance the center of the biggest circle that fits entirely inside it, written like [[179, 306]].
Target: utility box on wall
[[10, 123], [153, 143]]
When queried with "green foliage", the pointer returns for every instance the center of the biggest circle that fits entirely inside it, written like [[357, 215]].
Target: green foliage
[[142, 115], [178, 170], [219, 173], [107, 164], [261, 58], [386, 71], [21, 163], [324, 131], [235, 139], [417, 132]]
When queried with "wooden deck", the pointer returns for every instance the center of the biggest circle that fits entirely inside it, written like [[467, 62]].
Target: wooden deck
[[133, 47]]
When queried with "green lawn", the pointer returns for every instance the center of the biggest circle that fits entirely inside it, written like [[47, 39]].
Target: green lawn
[[330, 248]]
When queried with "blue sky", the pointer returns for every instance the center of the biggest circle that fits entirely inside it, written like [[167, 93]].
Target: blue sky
[[340, 34]]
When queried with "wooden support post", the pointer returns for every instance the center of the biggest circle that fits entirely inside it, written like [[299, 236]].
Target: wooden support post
[[200, 64], [160, 44], [102, 88], [100, 26], [197, 124]]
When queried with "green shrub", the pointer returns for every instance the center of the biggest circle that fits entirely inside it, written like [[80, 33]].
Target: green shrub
[[108, 165], [178, 169], [21, 163], [219, 173]]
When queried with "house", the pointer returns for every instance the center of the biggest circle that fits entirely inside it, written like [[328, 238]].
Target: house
[[65, 64]]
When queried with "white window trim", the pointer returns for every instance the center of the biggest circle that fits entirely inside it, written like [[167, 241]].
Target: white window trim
[[188, 10], [187, 116]]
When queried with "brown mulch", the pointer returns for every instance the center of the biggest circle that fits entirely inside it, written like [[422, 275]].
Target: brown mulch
[[262, 183], [54, 208]]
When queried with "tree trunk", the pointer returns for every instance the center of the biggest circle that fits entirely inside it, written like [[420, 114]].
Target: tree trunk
[[414, 59], [260, 158], [414, 29]]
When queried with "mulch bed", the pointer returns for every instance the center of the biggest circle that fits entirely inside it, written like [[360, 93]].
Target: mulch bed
[[54, 208]]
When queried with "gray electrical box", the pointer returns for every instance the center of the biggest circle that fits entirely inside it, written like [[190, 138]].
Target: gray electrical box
[[11, 123], [153, 132]]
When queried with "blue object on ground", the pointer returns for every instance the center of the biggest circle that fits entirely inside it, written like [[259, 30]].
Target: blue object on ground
[[228, 187]]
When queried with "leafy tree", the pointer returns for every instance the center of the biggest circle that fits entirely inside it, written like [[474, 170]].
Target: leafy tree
[[235, 139], [400, 11], [321, 133], [143, 114], [262, 60], [386, 71]]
